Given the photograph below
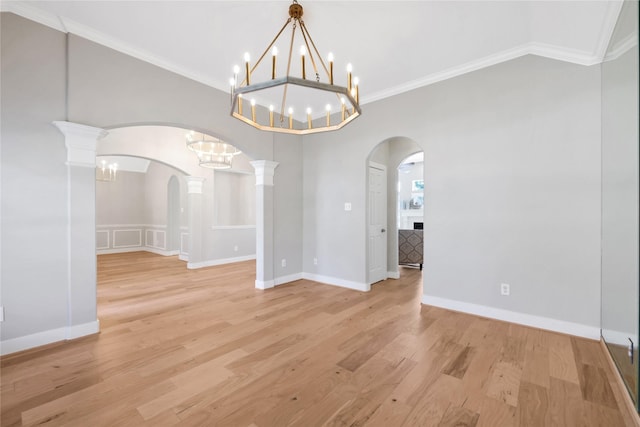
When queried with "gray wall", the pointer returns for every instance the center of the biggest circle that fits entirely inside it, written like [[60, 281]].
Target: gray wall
[[620, 198], [105, 89], [34, 262], [122, 201], [512, 175]]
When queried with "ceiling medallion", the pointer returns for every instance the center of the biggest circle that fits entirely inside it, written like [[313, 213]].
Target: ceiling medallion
[[327, 106]]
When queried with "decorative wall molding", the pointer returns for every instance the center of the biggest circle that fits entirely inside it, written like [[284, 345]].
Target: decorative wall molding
[[184, 245], [334, 281], [194, 184], [48, 337], [623, 47], [222, 261], [554, 52], [233, 227], [265, 169], [155, 239], [577, 329], [134, 230], [80, 141], [106, 232]]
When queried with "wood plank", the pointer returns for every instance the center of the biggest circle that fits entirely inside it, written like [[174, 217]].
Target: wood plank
[[204, 347]]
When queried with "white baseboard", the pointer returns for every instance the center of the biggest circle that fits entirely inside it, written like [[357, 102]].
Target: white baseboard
[[265, 285], [619, 337], [214, 262], [48, 337], [161, 251], [362, 287], [137, 249], [286, 279], [183, 257], [577, 329], [393, 274]]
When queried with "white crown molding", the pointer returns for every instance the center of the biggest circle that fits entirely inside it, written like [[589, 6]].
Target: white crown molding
[[532, 48], [571, 328], [33, 13], [621, 48], [608, 26]]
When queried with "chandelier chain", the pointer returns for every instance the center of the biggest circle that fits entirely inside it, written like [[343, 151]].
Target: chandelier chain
[[284, 95]]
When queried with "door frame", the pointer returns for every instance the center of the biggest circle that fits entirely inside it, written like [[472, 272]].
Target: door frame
[[367, 226]]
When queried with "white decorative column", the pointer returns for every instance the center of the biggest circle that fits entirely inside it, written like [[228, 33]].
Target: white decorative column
[[196, 231], [81, 141], [265, 169]]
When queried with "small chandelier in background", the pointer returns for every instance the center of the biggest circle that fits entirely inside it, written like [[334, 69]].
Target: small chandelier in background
[[335, 106], [106, 171], [212, 153]]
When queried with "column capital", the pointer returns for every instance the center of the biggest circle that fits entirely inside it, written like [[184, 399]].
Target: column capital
[[80, 141], [194, 184], [265, 169]]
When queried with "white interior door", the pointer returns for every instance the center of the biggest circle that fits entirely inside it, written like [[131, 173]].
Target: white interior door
[[377, 223]]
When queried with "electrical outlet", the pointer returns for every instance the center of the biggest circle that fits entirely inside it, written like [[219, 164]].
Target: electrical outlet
[[347, 206], [315, 261], [284, 262], [505, 289]]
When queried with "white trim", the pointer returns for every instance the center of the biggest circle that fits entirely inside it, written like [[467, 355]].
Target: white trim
[[265, 285], [555, 52], [183, 257], [222, 261], [393, 274], [131, 226], [34, 14], [127, 246], [108, 239], [619, 337], [194, 184], [287, 279], [48, 337], [137, 249], [233, 227], [162, 252], [623, 47], [334, 281], [154, 238], [608, 26], [562, 326], [264, 169], [183, 246]]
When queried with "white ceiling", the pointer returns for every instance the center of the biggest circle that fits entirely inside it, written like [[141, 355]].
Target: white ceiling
[[395, 46]]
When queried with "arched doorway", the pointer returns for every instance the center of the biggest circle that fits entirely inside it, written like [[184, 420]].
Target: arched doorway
[[389, 153]]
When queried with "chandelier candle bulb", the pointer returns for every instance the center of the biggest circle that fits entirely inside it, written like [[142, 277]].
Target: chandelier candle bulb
[[290, 118], [274, 53], [328, 108], [309, 117], [356, 83], [302, 53], [271, 115], [253, 110], [236, 71], [349, 70], [246, 66], [330, 58]]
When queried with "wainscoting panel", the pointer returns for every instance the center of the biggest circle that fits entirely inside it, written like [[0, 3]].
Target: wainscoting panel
[[127, 238], [102, 239]]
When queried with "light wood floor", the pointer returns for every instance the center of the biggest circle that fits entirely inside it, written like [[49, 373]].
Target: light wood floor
[[204, 348]]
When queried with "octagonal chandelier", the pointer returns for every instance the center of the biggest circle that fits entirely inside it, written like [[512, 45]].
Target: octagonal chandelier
[[212, 153], [327, 106]]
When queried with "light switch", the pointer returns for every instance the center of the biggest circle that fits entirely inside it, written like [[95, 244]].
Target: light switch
[[347, 206]]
